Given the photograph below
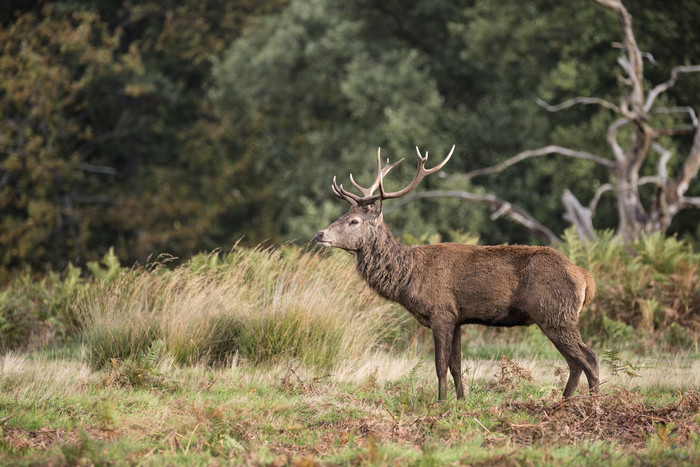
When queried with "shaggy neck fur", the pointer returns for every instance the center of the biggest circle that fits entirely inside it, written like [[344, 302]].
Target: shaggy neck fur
[[386, 265]]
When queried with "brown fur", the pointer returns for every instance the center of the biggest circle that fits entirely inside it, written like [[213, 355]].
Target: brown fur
[[447, 285]]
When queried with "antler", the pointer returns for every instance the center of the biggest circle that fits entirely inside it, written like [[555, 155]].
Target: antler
[[421, 172], [368, 196]]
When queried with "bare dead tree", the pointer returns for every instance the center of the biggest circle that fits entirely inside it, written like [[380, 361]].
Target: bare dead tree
[[447, 285], [632, 139]]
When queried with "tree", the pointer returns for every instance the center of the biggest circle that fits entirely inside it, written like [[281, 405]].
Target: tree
[[107, 137], [633, 138], [311, 95], [47, 69]]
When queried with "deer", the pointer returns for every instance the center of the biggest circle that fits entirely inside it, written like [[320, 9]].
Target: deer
[[447, 285]]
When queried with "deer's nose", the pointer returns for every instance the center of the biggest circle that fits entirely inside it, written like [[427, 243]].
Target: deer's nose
[[319, 236]]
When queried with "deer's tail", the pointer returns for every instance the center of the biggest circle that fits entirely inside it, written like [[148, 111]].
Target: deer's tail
[[590, 289]]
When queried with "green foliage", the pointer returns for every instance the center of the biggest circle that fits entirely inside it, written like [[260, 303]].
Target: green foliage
[[648, 287], [83, 448], [111, 270], [108, 137], [616, 366], [180, 127], [106, 414], [411, 393], [38, 310], [137, 371]]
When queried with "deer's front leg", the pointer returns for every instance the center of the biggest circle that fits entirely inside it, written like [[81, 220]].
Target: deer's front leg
[[442, 337]]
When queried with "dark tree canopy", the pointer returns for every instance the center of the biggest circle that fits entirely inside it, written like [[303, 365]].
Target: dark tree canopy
[[184, 126]]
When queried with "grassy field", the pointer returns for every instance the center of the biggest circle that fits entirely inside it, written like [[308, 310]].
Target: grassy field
[[56, 410], [284, 357]]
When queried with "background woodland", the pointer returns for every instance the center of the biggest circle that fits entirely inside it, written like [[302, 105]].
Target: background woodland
[[179, 127]]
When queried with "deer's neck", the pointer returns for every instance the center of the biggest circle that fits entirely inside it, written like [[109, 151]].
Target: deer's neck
[[386, 265]]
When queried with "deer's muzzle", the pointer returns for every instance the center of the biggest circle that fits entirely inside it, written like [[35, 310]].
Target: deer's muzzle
[[321, 240]]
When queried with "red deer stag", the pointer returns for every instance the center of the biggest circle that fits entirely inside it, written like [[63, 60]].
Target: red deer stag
[[447, 285]]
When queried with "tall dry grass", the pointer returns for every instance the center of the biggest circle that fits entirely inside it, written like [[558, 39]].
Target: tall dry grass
[[261, 305]]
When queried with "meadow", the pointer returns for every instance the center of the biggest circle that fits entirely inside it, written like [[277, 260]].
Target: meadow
[[282, 356]]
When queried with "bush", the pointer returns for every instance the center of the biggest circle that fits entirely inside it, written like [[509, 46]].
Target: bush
[[644, 290], [36, 312]]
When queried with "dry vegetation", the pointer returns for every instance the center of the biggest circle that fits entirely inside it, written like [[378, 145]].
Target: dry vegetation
[[60, 412], [279, 356]]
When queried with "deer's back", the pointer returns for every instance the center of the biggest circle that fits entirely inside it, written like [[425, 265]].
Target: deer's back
[[500, 285]]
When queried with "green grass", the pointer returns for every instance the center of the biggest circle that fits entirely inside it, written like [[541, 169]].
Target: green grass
[[282, 356], [60, 410]]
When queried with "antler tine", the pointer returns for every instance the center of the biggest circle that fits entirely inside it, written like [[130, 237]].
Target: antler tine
[[381, 173], [367, 193], [421, 172], [342, 193]]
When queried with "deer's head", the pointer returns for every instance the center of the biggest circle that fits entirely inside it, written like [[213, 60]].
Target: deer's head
[[361, 223]]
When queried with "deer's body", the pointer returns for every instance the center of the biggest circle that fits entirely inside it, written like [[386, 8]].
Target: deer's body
[[489, 285], [447, 285]]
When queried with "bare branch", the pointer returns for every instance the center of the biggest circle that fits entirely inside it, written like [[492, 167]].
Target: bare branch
[[689, 203], [646, 180], [612, 138], [498, 205], [100, 169], [578, 100], [579, 216], [631, 61], [593, 205], [665, 86], [663, 161], [649, 57], [672, 110], [552, 149], [690, 168], [678, 130]]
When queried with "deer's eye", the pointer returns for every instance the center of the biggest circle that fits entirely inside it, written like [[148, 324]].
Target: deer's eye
[[354, 222]]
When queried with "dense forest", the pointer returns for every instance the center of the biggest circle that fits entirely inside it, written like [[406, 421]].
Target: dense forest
[[179, 127]]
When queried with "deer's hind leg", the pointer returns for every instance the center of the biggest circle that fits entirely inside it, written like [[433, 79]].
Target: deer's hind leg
[[592, 359], [568, 342]]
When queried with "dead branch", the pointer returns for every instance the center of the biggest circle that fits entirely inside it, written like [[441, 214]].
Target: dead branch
[[499, 206], [689, 170], [593, 205], [617, 150], [672, 110], [579, 216], [576, 101], [665, 86], [546, 150], [630, 150], [689, 203]]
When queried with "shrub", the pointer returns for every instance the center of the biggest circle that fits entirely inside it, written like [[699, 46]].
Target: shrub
[[643, 289], [35, 312]]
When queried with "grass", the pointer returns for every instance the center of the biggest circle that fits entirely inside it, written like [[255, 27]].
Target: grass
[[60, 410], [262, 305], [284, 357]]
